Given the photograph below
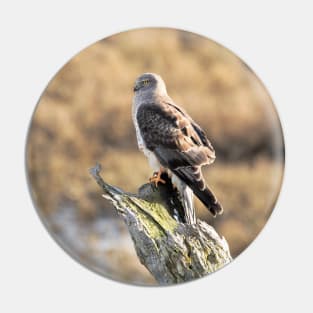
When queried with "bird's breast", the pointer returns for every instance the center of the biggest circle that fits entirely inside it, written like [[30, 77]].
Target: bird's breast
[[152, 159], [140, 140]]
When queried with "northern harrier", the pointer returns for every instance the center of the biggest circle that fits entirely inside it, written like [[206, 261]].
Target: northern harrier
[[173, 143]]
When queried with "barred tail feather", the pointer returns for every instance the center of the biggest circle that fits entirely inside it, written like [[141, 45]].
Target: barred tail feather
[[190, 214], [209, 200], [192, 177]]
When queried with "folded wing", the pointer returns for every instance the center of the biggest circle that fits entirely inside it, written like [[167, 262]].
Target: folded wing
[[180, 145]]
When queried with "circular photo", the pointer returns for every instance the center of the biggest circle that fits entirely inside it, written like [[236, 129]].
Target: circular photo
[[155, 157]]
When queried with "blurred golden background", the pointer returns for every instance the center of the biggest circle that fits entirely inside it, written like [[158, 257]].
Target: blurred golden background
[[84, 117]]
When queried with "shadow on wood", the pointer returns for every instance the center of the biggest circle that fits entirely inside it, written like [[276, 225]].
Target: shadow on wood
[[171, 250]]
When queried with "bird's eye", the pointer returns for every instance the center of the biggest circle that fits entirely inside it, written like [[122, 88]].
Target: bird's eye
[[145, 82]]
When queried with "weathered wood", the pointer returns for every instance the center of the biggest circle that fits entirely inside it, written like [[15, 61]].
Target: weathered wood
[[172, 251]]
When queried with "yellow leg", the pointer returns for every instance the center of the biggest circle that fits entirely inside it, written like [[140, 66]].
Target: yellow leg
[[156, 178]]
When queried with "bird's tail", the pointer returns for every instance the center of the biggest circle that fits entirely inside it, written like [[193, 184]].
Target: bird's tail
[[207, 197], [187, 200], [193, 178]]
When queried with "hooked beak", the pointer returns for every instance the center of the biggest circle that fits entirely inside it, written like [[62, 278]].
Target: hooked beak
[[136, 87]]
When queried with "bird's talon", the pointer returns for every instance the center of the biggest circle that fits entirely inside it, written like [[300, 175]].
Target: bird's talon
[[156, 178]]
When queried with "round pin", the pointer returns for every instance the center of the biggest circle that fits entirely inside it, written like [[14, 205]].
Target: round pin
[[155, 156]]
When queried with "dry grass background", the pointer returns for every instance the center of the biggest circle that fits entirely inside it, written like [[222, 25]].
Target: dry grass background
[[84, 117]]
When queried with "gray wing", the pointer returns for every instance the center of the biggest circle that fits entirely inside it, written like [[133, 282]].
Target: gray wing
[[166, 129], [180, 145]]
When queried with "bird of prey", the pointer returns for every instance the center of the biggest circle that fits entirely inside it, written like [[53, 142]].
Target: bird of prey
[[173, 143]]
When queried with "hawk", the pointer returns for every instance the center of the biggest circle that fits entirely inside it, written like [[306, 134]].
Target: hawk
[[173, 143]]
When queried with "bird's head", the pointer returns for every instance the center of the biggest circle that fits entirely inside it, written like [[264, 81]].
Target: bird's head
[[150, 82]]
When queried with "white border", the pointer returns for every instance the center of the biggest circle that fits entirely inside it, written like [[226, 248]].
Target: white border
[[272, 38]]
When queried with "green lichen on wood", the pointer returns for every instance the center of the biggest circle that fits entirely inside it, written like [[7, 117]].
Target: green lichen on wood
[[156, 214], [172, 251]]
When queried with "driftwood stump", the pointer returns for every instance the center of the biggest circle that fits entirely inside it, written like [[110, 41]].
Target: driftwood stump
[[171, 250]]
